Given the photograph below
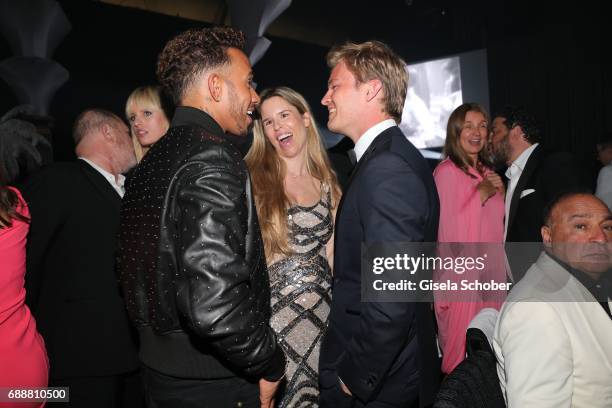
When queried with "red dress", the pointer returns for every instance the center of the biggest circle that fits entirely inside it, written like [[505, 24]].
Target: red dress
[[23, 357]]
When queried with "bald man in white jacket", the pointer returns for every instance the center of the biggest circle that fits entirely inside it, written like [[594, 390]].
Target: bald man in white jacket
[[553, 339]]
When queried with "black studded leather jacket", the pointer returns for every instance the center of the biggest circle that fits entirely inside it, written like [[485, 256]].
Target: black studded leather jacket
[[191, 258]]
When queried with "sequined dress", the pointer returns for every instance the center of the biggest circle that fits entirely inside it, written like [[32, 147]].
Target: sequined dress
[[300, 290]]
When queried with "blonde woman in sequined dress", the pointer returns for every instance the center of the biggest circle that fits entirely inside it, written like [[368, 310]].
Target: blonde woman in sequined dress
[[296, 193]]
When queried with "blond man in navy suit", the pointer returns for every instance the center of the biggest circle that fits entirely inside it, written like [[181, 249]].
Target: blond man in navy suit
[[376, 354]]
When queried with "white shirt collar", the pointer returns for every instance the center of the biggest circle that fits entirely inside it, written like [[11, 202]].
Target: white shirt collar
[[368, 137], [117, 184], [518, 165]]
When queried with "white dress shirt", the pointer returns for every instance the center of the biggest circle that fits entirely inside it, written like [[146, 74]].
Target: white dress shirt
[[368, 137], [116, 183], [514, 174]]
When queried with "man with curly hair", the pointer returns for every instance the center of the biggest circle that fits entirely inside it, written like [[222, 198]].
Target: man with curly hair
[[191, 258]]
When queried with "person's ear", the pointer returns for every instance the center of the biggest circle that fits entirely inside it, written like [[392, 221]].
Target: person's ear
[[215, 86], [373, 88], [546, 235], [518, 132], [107, 132], [306, 119]]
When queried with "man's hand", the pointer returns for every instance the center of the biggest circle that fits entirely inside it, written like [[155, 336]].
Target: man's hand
[[345, 389], [267, 390]]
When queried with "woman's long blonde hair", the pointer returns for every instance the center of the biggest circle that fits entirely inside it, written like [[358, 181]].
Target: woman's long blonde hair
[[268, 172]]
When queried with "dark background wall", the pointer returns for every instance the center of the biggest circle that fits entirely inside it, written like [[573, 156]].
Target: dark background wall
[[550, 58]]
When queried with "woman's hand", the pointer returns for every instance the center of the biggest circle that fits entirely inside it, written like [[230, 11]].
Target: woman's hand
[[496, 180], [486, 190]]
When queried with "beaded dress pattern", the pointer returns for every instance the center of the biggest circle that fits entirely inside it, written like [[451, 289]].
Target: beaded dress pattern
[[300, 289]]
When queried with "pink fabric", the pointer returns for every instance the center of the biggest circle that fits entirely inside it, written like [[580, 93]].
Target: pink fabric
[[23, 357], [463, 218]]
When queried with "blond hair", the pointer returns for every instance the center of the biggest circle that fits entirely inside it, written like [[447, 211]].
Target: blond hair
[[268, 173], [375, 60], [145, 96]]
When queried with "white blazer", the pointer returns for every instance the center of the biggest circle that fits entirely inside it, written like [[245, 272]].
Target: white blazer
[[553, 342]]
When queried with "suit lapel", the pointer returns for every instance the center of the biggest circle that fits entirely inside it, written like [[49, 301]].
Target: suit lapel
[[376, 143], [532, 164], [101, 185], [563, 280]]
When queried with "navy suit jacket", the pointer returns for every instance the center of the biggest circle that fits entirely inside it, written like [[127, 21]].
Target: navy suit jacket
[[382, 351]]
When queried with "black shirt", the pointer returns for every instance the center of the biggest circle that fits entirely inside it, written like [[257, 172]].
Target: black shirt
[[600, 289]]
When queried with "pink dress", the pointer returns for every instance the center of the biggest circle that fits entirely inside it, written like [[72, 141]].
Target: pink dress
[[23, 357], [464, 219]]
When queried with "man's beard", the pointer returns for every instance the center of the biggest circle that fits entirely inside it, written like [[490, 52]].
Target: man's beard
[[501, 153], [235, 111]]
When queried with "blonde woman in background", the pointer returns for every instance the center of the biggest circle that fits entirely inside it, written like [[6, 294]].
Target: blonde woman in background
[[148, 119], [296, 194]]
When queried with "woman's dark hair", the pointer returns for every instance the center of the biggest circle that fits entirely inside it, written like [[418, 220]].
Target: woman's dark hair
[[9, 201]]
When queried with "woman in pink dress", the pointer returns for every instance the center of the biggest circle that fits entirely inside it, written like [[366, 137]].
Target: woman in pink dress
[[471, 210], [23, 357]]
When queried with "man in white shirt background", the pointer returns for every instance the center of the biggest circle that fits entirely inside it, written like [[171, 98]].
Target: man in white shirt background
[[71, 280], [535, 177]]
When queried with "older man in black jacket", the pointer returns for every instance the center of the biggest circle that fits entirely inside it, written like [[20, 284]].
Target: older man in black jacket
[[71, 282], [191, 257]]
